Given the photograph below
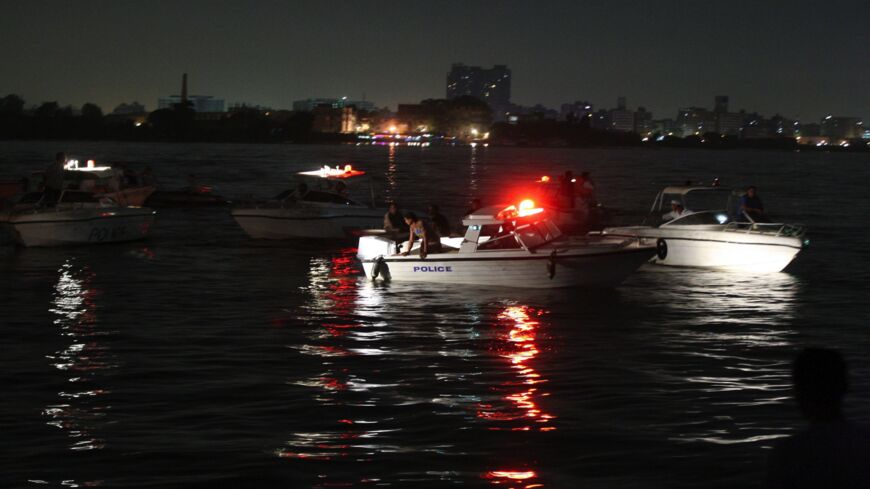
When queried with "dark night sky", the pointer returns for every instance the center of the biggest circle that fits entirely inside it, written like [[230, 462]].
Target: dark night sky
[[802, 59]]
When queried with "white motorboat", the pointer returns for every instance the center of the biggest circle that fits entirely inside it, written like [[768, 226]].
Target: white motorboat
[[318, 208], [78, 218], [513, 246], [713, 233]]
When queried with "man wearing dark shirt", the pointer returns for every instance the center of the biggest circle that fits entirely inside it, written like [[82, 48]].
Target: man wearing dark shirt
[[750, 204], [393, 220]]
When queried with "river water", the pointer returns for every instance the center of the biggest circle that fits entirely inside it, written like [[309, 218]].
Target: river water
[[200, 358]]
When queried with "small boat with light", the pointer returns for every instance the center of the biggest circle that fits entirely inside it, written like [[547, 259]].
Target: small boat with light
[[77, 218], [319, 207], [509, 246], [714, 233]]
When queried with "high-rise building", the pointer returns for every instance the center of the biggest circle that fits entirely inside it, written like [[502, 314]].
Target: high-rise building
[[492, 85], [620, 119]]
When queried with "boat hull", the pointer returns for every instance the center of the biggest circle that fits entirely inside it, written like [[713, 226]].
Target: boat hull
[[605, 269], [296, 223], [76, 227], [717, 249]]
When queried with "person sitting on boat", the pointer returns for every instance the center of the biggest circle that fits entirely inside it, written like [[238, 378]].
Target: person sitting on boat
[[751, 206], [394, 223], [438, 220], [429, 238], [677, 210]]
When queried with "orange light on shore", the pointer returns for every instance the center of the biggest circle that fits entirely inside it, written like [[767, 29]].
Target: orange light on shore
[[545, 179]]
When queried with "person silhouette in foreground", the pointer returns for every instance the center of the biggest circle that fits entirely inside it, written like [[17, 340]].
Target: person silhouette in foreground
[[832, 452]]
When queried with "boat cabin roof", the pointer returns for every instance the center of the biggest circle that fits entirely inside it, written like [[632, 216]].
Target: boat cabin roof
[[683, 189]]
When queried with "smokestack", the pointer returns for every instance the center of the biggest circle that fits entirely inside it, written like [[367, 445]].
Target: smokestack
[[184, 88]]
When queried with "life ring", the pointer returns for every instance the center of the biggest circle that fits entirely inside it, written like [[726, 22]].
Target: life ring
[[661, 248], [376, 269], [551, 265]]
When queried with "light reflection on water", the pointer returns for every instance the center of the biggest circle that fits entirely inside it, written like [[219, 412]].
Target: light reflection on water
[[485, 379], [723, 326], [80, 411]]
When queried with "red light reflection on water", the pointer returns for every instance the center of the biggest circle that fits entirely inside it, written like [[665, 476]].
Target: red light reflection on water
[[520, 349], [334, 286]]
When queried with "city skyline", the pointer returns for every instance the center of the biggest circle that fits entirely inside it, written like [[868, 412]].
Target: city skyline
[[772, 58]]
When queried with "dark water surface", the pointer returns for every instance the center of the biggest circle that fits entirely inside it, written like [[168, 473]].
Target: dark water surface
[[200, 358]]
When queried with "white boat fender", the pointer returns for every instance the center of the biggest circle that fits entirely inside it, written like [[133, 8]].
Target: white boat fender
[[376, 269], [661, 248], [551, 265]]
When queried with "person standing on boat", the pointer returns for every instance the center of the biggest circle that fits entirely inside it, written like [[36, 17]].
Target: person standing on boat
[[439, 222], [54, 178], [751, 206], [677, 210], [394, 223], [427, 236]]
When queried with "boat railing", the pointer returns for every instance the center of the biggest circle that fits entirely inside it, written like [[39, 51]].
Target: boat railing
[[770, 228]]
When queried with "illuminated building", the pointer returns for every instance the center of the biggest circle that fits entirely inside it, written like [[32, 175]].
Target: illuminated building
[[842, 127], [695, 121], [492, 85], [729, 123], [577, 111]]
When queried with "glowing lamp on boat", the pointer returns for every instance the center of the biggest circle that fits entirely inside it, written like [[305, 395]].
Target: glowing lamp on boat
[[525, 208], [90, 165], [544, 179], [338, 172]]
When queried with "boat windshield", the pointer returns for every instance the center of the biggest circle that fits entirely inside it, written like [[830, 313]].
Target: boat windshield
[[706, 200], [535, 234]]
